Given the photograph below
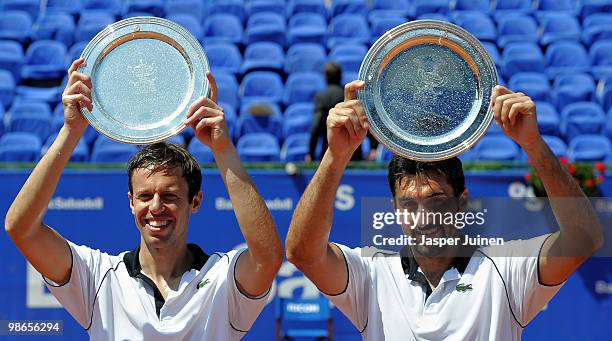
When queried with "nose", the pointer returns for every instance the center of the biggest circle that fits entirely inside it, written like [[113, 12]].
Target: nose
[[157, 205]]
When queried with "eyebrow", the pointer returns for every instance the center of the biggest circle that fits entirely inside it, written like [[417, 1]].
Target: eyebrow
[[432, 195]]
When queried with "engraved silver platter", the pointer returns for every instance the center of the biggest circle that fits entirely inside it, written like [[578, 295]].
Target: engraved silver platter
[[428, 90], [145, 72]]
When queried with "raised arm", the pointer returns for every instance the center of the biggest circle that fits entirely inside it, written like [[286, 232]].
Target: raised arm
[[580, 232], [42, 246], [259, 264], [307, 241]]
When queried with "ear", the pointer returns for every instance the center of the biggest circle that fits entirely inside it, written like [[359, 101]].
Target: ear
[[463, 200], [130, 198], [196, 202]]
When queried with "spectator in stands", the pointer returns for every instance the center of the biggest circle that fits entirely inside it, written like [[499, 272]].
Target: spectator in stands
[[324, 101], [440, 292], [165, 288]]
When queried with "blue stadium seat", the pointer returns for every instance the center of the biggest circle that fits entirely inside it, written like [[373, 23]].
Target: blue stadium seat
[[75, 52], [194, 8], [301, 87], [15, 25], [232, 7], [298, 318], [566, 57], [224, 28], [473, 5], [494, 54], [348, 56], [516, 28], [106, 150], [556, 145], [90, 23], [200, 151], [11, 57], [358, 7], [259, 117], [188, 21], [497, 147], [389, 9], [80, 153], [263, 55], [19, 147], [305, 57], [307, 27], [559, 27], [55, 26], [477, 23], [223, 58], [7, 88], [295, 147], [151, 7], [348, 28], [571, 88], [112, 7], [600, 54], [266, 26], [72, 7], [29, 6], [420, 7], [604, 94], [582, 118], [381, 25], [548, 118], [30, 117], [434, 16], [45, 60], [595, 6], [609, 125], [299, 110], [506, 7], [258, 6], [522, 57], [258, 147], [262, 86], [589, 148], [227, 86], [547, 7], [533, 84], [310, 6], [597, 27]]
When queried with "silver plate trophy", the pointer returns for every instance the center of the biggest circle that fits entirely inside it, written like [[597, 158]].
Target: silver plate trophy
[[145, 72], [428, 90]]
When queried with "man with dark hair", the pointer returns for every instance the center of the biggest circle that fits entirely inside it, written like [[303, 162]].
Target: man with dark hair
[[165, 289], [429, 292]]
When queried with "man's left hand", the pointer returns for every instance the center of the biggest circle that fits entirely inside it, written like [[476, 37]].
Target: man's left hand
[[515, 113], [207, 119]]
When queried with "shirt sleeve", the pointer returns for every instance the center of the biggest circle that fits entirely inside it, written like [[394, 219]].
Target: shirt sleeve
[[354, 299], [520, 267], [243, 310], [77, 294]]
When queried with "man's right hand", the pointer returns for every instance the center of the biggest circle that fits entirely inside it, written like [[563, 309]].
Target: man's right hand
[[347, 124], [77, 94]]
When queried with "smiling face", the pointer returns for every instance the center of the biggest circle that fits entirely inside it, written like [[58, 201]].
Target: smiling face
[[428, 194], [161, 206]]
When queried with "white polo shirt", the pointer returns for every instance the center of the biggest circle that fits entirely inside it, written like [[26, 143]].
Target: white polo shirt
[[480, 298], [112, 299]]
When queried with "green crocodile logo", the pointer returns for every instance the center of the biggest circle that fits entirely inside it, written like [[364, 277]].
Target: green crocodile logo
[[463, 287], [203, 283]]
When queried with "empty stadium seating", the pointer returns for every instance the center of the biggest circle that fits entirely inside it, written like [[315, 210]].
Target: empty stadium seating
[[559, 52]]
